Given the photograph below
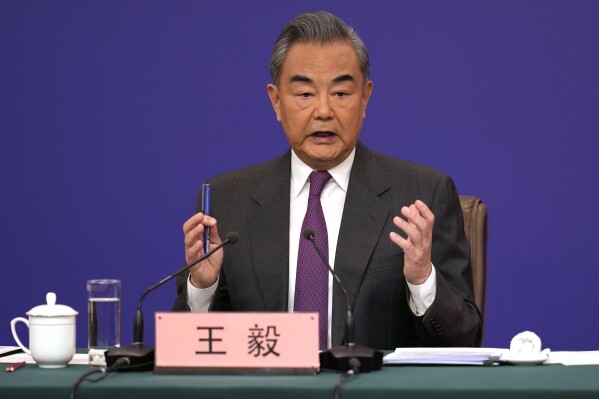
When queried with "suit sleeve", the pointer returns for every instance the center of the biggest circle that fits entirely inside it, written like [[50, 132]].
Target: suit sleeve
[[180, 304], [453, 319]]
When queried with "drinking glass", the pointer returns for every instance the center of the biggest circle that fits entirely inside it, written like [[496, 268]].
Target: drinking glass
[[103, 318]]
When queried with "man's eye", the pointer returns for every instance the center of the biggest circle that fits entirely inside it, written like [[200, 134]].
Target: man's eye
[[305, 95], [340, 94]]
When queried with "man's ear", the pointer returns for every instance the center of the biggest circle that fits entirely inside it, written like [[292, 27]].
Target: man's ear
[[366, 97], [273, 94]]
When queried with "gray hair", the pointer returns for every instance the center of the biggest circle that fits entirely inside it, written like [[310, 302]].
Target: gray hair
[[316, 27]]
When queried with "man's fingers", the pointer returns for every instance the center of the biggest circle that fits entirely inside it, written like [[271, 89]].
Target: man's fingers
[[413, 215], [198, 218], [425, 212], [214, 237], [194, 235], [400, 241], [194, 252], [192, 222], [417, 227], [409, 228]]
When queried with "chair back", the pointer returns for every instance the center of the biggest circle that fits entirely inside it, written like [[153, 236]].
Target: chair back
[[475, 225]]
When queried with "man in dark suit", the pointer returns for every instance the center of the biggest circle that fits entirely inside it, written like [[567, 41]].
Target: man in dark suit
[[408, 278]]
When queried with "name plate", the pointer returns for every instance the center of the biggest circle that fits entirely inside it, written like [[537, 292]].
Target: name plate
[[236, 343]]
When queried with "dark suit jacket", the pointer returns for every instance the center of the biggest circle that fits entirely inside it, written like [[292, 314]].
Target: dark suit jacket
[[255, 202]]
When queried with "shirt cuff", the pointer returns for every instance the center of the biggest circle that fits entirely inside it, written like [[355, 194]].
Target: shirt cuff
[[199, 299], [422, 296]]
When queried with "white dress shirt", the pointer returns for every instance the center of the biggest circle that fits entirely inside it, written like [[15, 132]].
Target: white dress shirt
[[332, 200]]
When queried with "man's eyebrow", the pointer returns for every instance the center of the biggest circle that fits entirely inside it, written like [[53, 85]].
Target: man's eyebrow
[[301, 78], [338, 79], [343, 78]]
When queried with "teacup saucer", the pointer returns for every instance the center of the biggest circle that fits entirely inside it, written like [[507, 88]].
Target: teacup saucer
[[526, 360]]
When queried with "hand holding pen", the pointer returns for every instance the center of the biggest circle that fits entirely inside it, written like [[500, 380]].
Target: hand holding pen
[[200, 233]]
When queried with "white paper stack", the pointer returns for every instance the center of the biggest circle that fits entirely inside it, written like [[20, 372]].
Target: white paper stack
[[463, 356]]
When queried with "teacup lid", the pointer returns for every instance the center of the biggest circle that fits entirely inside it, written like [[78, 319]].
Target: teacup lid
[[52, 309]]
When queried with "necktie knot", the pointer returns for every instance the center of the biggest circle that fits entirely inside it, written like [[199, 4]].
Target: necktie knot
[[318, 179]]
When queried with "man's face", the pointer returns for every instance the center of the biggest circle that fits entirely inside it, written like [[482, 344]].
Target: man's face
[[321, 102]]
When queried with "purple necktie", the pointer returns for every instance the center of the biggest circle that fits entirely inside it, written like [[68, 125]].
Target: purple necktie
[[312, 276]]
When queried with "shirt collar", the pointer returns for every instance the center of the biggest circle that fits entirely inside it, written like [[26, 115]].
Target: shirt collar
[[300, 172]]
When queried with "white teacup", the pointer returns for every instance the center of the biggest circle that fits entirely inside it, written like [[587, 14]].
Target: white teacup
[[51, 333]]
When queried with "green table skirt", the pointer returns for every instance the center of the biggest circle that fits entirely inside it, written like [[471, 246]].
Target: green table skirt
[[548, 381]]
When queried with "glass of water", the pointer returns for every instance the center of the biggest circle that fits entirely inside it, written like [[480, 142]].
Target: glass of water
[[103, 318]]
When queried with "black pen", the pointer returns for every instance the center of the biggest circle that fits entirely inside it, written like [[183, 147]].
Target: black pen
[[15, 367]]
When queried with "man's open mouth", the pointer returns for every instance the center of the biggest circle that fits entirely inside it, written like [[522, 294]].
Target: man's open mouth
[[323, 134]]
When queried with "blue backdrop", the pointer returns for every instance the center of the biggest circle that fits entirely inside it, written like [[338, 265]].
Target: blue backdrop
[[113, 112]]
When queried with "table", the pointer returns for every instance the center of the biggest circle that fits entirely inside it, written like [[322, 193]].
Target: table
[[422, 382]]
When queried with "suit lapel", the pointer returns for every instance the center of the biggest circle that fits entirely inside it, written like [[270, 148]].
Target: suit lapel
[[270, 225], [364, 216]]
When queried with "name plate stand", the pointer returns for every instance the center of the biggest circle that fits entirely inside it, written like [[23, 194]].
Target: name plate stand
[[236, 343]]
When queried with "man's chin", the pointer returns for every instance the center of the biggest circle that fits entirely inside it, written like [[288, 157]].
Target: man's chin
[[323, 160]]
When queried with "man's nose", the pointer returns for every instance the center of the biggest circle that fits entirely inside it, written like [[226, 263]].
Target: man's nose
[[322, 109]]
